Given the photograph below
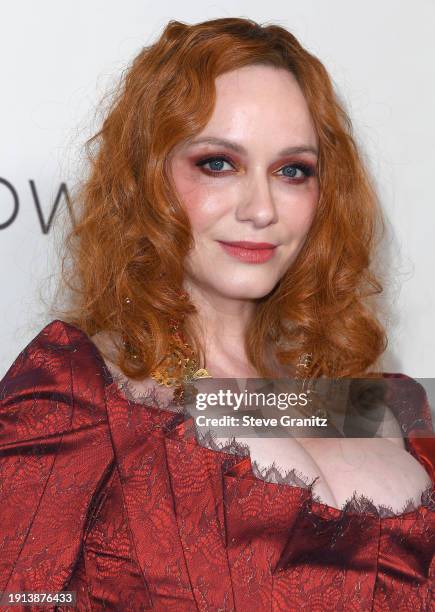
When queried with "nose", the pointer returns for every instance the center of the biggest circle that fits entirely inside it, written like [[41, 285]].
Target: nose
[[256, 202]]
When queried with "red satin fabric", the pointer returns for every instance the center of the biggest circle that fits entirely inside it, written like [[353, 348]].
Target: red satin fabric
[[117, 501]]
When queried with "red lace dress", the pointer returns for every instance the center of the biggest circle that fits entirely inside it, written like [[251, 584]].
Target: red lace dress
[[117, 501]]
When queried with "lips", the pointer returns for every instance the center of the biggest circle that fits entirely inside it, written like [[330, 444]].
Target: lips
[[245, 244], [249, 252]]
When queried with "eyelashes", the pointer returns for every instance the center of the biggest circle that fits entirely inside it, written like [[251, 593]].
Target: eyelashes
[[305, 170]]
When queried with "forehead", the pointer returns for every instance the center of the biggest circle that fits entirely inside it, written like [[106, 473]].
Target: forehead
[[261, 102]]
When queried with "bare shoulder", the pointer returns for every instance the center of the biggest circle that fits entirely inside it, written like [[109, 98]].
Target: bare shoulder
[[107, 343]]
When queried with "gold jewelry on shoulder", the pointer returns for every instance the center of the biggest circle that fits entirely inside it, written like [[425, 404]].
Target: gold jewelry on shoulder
[[180, 367], [202, 373]]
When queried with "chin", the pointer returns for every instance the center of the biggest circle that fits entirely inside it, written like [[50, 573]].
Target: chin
[[250, 290]]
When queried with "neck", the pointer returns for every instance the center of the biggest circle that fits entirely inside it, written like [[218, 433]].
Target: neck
[[222, 323]]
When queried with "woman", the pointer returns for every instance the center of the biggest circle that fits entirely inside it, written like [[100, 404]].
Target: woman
[[223, 132]]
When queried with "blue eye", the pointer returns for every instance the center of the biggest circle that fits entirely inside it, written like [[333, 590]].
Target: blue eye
[[215, 164], [293, 169], [295, 173]]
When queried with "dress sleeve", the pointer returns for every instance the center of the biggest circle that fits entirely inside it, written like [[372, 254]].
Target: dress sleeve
[[55, 456], [409, 402]]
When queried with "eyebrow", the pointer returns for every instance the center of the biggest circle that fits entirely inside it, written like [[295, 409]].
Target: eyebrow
[[223, 142]]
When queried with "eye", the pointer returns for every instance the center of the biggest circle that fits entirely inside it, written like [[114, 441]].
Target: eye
[[294, 173], [297, 172], [216, 164]]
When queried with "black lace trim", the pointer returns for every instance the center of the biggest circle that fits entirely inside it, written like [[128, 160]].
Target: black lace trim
[[357, 503], [150, 398]]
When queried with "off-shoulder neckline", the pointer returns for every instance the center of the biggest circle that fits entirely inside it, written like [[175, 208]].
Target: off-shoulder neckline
[[318, 507]]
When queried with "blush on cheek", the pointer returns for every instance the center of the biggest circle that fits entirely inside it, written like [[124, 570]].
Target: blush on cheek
[[189, 192], [312, 201], [203, 207], [182, 178], [300, 213]]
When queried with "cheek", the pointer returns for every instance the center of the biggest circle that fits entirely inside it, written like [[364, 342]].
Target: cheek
[[298, 211], [204, 206]]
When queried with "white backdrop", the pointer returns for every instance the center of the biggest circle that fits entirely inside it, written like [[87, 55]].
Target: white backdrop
[[58, 58]]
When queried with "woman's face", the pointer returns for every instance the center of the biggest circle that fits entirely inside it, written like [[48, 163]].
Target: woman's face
[[250, 175]]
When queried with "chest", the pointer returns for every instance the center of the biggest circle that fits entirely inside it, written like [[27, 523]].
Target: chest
[[377, 468]]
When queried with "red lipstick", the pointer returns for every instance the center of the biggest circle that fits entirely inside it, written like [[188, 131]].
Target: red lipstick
[[249, 252]]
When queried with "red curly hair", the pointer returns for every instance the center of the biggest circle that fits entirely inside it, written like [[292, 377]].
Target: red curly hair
[[131, 233]]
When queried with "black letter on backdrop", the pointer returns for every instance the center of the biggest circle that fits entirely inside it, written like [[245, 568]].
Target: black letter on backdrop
[[62, 191], [16, 203]]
